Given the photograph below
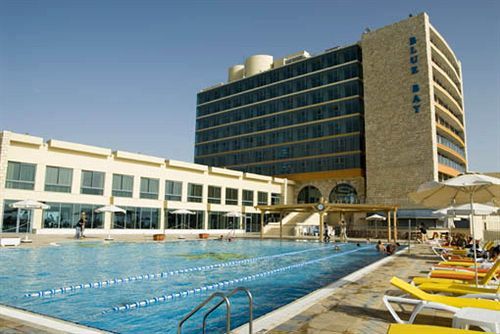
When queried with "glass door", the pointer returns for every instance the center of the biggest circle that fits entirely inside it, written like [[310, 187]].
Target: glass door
[[15, 220]]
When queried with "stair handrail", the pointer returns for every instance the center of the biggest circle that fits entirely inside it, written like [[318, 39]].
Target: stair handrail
[[250, 308], [205, 302]]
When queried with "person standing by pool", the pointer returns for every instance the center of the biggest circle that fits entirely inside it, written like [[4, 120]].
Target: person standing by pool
[[81, 222], [423, 231], [326, 232], [78, 228], [343, 231]]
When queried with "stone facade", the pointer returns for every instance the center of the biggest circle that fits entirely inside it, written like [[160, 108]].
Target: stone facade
[[400, 138], [325, 186]]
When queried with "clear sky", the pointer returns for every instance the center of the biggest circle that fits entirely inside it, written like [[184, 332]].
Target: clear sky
[[124, 74]]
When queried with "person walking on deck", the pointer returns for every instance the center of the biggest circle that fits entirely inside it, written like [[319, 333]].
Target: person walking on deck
[[343, 231]]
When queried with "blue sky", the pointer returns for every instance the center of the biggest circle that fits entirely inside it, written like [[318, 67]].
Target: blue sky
[[124, 74]]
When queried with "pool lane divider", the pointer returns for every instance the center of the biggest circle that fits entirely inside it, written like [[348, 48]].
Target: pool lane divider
[[222, 284], [129, 279]]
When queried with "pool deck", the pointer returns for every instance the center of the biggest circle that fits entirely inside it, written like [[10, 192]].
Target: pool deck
[[10, 326], [356, 307]]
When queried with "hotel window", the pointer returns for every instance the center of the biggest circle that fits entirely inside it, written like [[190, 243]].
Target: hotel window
[[219, 221], [193, 221], [66, 215], [262, 198], [149, 188], [231, 196], [92, 182], [58, 179], [137, 218], [275, 199], [122, 185], [20, 175], [247, 199], [195, 192], [214, 194], [173, 190]]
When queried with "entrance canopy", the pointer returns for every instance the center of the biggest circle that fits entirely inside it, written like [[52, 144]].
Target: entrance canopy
[[324, 207]]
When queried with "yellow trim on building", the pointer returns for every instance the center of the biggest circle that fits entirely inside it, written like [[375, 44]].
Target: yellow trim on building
[[281, 128], [334, 174], [446, 45], [280, 81], [281, 96], [452, 152], [451, 133], [353, 97], [282, 144], [449, 114], [299, 158], [437, 69], [447, 96], [448, 170], [445, 59]]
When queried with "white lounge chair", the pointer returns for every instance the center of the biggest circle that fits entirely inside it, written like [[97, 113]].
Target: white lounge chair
[[10, 242], [423, 300]]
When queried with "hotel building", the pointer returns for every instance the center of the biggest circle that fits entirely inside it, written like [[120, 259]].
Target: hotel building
[[74, 178], [363, 123]]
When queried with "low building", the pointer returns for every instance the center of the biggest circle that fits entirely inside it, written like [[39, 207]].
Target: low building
[[74, 178]]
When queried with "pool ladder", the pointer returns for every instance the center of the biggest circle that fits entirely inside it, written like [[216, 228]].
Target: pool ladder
[[224, 300]]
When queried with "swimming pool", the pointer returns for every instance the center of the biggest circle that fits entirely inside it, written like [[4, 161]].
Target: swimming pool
[[148, 287]]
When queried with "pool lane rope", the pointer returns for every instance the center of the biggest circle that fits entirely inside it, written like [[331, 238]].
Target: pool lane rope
[[222, 284], [143, 277]]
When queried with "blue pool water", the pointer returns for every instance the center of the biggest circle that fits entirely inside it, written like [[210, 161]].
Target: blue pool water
[[149, 287]]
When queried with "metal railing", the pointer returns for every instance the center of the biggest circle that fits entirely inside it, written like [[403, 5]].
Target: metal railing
[[229, 295], [224, 300]]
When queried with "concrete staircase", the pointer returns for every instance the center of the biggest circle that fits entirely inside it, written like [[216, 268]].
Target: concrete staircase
[[290, 222]]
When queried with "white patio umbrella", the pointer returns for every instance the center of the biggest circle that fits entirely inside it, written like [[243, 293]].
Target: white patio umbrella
[[234, 214], [463, 210], [466, 188], [29, 205], [376, 218], [183, 212], [112, 209]]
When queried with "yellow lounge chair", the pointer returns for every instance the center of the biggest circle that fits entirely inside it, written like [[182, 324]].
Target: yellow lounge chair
[[424, 329], [426, 300], [462, 289], [461, 277], [458, 263], [459, 274]]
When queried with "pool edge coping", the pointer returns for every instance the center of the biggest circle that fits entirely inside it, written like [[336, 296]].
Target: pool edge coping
[[46, 322], [281, 315]]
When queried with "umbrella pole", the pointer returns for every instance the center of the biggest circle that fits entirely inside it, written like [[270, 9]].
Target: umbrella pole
[[28, 224], [109, 229], [473, 237], [18, 220], [409, 235]]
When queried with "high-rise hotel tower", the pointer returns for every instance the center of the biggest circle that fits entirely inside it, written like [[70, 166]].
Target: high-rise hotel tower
[[367, 122]]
